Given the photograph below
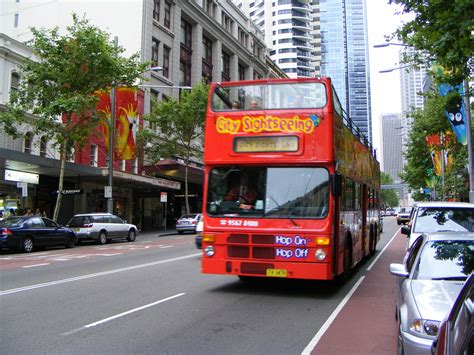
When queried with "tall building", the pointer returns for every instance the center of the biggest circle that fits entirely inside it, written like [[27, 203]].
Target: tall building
[[190, 40], [320, 37], [411, 88], [345, 57], [392, 161], [287, 27]]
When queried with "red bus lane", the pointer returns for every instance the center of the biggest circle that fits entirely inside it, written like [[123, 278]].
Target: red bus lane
[[366, 324]]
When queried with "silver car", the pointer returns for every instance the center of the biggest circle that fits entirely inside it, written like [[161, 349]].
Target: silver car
[[429, 280], [101, 227], [429, 217]]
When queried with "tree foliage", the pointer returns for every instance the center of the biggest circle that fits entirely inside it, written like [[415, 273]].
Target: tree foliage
[[388, 197], [57, 94], [418, 172], [180, 131], [441, 32]]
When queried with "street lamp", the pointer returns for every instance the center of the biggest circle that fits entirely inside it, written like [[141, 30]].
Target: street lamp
[[108, 192]]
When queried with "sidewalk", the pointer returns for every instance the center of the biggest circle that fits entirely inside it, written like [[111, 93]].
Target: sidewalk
[[366, 324]]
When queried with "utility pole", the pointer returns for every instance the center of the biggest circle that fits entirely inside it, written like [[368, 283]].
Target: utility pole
[[110, 198]]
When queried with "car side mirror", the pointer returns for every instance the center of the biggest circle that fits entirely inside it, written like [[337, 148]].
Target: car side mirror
[[406, 230], [398, 270]]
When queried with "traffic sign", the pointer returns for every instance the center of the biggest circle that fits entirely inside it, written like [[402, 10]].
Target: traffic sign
[[164, 196]]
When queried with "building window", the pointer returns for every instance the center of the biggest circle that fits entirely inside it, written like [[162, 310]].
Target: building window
[[15, 83], [43, 146], [167, 14], [154, 51], [156, 10], [209, 6], [27, 141], [16, 19], [207, 59], [94, 157], [225, 67], [166, 61], [227, 22], [241, 72], [243, 37], [186, 33], [185, 54]]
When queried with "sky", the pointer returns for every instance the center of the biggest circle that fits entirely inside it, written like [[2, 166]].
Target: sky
[[385, 88]]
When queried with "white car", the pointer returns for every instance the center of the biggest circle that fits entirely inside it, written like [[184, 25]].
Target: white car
[[439, 216], [101, 227]]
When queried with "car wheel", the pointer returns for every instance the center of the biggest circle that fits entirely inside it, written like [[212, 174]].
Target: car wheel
[[27, 245], [70, 242], [132, 235], [102, 237]]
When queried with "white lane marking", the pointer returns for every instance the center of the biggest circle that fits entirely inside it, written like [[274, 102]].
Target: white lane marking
[[123, 314], [88, 276], [331, 318], [312, 344], [26, 267], [380, 254], [166, 246]]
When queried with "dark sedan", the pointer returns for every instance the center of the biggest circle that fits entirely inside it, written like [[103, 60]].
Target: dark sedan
[[29, 232]]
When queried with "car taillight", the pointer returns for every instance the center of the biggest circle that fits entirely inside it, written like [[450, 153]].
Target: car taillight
[[6, 231], [87, 225], [193, 222]]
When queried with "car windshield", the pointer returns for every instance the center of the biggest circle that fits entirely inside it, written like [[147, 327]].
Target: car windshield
[[188, 216], [440, 219], [79, 221], [445, 260], [12, 222], [268, 192]]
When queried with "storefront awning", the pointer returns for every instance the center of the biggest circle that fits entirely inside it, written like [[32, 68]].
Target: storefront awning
[[173, 169]]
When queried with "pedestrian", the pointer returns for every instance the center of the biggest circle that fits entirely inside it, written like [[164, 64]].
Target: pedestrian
[[44, 214], [12, 212], [29, 212], [37, 212]]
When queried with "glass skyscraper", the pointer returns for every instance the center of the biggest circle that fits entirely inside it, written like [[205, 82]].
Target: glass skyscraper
[[345, 57]]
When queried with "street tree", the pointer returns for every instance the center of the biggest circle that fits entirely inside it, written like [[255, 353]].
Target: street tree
[[441, 32], [388, 197], [58, 92], [180, 129], [418, 172]]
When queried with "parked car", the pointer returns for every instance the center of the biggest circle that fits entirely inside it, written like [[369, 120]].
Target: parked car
[[27, 233], [429, 280], [431, 217], [456, 333], [199, 229], [389, 212], [188, 223], [102, 227], [403, 215]]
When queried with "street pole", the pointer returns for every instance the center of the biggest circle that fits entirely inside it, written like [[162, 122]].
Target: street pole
[[470, 155], [110, 199]]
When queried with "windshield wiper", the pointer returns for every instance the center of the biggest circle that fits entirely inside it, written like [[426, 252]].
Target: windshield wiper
[[454, 278], [288, 213]]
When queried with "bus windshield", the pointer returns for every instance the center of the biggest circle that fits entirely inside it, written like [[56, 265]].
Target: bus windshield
[[276, 192], [272, 96]]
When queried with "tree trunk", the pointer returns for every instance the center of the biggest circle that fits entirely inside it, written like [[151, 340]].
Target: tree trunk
[[61, 181]]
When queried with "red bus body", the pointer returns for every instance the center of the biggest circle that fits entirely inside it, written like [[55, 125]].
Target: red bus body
[[291, 148]]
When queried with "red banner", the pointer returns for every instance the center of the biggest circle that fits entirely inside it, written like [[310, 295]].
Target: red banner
[[127, 120]]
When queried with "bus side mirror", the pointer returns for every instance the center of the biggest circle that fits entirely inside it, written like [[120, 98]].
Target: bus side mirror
[[336, 184]]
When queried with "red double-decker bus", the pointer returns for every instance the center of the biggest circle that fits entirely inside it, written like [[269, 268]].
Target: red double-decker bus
[[291, 186]]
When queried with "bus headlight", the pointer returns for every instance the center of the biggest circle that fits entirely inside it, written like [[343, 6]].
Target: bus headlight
[[209, 250], [320, 254]]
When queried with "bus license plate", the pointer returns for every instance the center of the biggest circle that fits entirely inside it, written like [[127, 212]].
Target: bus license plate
[[277, 273]]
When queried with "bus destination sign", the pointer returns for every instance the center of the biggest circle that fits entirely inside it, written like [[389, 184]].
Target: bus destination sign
[[266, 144]]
